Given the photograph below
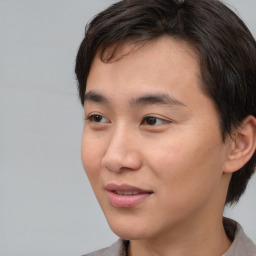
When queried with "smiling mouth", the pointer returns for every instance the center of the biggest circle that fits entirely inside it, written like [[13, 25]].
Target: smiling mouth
[[125, 196], [128, 193]]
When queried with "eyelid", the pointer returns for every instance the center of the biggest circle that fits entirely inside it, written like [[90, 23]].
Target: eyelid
[[91, 117], [97, 118], [162, 120]]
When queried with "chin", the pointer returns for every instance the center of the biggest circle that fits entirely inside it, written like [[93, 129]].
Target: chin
[[129, 233], [129, 229]]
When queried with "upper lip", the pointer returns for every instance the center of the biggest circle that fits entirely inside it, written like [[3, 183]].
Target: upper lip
[[125, 188]]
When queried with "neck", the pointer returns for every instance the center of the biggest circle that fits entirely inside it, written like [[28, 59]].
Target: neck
[[195, 239]]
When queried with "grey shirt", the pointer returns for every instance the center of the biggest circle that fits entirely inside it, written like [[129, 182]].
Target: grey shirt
[[241, 245]]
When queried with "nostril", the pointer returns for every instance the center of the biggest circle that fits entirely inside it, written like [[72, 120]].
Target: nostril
[[121, 162], [112, 169]]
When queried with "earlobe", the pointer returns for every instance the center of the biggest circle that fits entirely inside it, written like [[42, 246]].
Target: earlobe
[[243, 145]]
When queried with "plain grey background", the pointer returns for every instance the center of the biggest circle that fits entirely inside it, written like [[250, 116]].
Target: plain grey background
[[47, 207]]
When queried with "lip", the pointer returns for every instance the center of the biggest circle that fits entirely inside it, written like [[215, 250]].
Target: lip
[[126, 201]]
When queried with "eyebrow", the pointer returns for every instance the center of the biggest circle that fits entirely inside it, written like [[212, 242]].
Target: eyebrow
[[95, 97], [148, 99], [163, 99]]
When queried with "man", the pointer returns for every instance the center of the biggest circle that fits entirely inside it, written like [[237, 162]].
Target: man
[[168, 89]]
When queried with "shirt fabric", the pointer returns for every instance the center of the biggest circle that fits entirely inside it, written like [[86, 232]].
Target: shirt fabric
[[241, 245]]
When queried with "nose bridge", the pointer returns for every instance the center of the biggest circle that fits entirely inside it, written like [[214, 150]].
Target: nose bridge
[[122, 152]]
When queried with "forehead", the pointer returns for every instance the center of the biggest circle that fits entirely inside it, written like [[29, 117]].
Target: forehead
[[164, 61]]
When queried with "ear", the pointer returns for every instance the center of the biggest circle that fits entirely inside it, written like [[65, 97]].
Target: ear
[[242, 145]]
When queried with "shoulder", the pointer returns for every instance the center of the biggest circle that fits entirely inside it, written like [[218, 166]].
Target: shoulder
[[119, 248], [242, 244]]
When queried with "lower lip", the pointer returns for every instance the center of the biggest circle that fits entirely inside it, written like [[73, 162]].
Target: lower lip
[[126, 201]]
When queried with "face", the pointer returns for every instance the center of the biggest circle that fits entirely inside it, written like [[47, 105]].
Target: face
[[151, 145]]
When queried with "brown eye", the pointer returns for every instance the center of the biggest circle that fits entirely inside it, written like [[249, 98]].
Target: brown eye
[[151, 120], [98, 118]]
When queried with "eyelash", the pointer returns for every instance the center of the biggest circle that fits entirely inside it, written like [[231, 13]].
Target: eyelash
[[147, 120], [93, 117]]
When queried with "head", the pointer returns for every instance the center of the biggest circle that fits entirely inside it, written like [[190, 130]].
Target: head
[[224, 45]]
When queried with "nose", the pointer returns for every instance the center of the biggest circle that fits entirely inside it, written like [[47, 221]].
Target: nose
[[122, 152]]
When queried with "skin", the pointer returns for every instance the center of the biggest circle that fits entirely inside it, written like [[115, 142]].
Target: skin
[[179, 155]]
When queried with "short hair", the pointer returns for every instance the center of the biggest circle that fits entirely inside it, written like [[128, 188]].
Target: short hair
[[226, 48]]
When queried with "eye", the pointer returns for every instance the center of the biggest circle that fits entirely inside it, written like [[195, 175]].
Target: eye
[[97, 118], [153, 121]]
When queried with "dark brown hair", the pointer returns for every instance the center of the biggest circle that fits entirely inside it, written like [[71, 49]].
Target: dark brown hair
[[226, 48]]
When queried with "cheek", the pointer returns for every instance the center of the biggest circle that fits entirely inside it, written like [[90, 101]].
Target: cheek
[[187, 167], [91, 155]]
